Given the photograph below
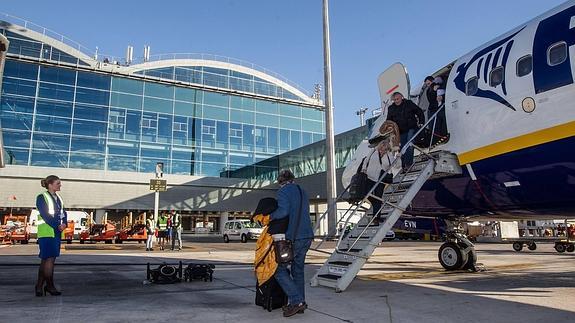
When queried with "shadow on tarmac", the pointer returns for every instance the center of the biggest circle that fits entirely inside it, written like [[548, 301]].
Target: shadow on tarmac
[[115, 292]]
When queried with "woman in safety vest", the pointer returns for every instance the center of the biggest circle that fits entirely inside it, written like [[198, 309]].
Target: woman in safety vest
[[52, 221]]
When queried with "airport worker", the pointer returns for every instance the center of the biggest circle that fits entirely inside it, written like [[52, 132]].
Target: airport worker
[[52, 221], [408, 117], [169, 234], [176, 226], [150, 230], [162, 226], [293, 202]]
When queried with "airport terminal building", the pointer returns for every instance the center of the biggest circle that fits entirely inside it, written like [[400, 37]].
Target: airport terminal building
[[102, 124]]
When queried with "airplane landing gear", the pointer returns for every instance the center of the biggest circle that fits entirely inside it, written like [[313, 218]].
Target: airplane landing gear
[[457, 252]]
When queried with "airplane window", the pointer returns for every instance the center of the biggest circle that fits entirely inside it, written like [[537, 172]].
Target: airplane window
[[496, 76], [524, 65], [471, 86], [557, 53]]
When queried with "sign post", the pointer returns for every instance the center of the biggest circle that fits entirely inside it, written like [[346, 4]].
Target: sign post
[[158, 185]]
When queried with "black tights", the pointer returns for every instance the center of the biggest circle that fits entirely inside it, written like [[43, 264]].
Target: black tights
[[375, 204], [46, 274]]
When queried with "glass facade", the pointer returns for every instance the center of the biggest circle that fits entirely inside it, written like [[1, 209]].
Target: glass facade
[[307, 160], [65, 116]]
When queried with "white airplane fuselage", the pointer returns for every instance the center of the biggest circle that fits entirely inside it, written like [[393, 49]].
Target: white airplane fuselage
[[510, 111]]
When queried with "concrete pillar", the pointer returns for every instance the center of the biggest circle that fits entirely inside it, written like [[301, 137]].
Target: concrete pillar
[[130, 219], [223, 219], [100, 214], [206, 220]]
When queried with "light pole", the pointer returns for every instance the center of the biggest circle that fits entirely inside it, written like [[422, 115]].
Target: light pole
[[329, 136], [361, 113], [4, 43]]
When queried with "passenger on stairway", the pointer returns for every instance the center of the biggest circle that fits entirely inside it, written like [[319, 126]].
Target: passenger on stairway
[[382, 159], [423, 94], [408, 117], [439, 126], [435, 85]]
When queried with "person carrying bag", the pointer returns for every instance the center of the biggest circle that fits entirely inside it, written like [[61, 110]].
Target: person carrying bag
[[283, 247], [293, 203]]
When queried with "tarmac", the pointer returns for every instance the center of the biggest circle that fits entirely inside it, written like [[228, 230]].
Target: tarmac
[[403, 282]]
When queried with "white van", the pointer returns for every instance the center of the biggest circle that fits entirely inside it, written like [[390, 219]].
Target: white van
[[241, 230], [80, 219]]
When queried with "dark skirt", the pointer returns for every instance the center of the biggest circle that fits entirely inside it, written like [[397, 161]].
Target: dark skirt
[[49, 247]]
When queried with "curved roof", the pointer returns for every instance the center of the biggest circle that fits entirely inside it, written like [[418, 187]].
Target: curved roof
[[32, 32], [183, 63]]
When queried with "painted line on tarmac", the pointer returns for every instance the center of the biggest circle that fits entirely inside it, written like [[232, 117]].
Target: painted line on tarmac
[[440, 273]]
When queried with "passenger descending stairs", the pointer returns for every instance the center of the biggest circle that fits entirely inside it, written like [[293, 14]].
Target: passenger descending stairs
[[354, 249]]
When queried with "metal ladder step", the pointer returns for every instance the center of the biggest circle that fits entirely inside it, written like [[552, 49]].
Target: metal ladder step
[[351, 254], [373, 225], [350, 250], [340, 263], [329, 276], [362, 237]]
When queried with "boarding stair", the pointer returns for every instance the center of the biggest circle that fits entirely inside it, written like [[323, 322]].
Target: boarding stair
[[354, 248]]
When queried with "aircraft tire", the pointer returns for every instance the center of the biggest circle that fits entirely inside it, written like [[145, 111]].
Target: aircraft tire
[[570, 247], [560, 247], [517, 246], [532, 246], [451, 256]]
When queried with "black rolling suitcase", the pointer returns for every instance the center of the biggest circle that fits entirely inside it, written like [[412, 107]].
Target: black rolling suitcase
[[270, 295]]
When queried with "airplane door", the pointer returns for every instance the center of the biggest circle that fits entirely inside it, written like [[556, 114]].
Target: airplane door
[[393, 79]]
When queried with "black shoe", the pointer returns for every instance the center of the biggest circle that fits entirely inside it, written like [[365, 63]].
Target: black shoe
[[53, 292], [151, 249], [147, 249], [292, 310], [38, 292], [284, 308]]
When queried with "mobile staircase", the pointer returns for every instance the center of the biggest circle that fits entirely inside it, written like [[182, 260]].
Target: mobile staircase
[[354, 248]]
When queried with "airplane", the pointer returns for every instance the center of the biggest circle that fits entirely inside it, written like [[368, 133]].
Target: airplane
[[511, 122]]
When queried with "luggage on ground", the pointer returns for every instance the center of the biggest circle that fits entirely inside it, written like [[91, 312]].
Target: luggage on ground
[[270, 295]]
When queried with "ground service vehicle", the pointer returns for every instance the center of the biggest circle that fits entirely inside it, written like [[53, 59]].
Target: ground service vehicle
[[99, 232], [14, 228], [80, 219], [241, 230], [137, 232]]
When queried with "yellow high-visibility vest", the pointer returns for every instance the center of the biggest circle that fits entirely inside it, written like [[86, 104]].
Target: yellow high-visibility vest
[[44, 229]]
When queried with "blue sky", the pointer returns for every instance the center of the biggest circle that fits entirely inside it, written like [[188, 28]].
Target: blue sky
[[286, 36]]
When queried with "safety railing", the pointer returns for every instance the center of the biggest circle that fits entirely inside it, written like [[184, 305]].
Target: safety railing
[[347, 215]]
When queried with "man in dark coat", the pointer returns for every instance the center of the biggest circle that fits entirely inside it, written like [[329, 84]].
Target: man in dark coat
[[408, 117], [293, 202]]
